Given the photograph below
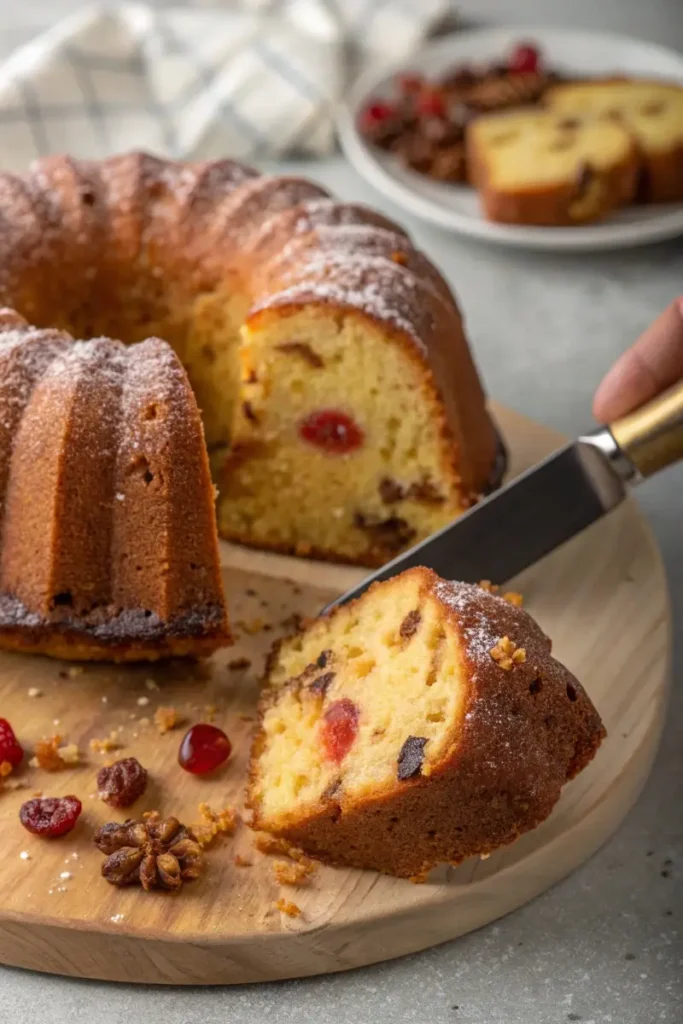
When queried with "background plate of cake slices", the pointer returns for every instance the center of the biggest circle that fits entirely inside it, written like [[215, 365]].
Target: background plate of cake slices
[[486, 55]]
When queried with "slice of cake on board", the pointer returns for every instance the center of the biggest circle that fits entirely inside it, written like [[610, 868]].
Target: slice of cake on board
[[423, 723], [539, 167]]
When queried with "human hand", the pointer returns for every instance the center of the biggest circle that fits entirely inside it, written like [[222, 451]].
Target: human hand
[[650, 366]]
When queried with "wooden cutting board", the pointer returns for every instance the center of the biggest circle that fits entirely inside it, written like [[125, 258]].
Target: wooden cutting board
[[603, 600]]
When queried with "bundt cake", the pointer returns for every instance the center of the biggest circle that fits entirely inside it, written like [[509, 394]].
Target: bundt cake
[[651, 111], [545, 168], [422, 723], [342, 409], [107, 515]]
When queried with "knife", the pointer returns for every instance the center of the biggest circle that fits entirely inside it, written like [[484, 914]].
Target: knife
[[549, 503]]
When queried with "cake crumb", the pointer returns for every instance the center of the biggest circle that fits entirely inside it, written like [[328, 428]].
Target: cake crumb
[[143, 701], [76, 670], [151, 685], [511, 596], [211, 711], [166, 718], [51, 755], [103, 746], [214, 823], [288, 908], [268, 844], [70, 754], [242, 862], [33, 691], [506, 653], [293, 874]]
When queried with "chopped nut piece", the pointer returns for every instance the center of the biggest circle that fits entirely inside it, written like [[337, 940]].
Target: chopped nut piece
[[238, 664], [491, 588], [107, 744], [5, 769], [304, 350], [506, 653], [166, 718], [513, 598], [143, 701], [156, 853], [290, 909], [34, 692], [293, 874]]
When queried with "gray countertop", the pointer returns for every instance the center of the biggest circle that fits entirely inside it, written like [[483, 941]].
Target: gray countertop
[[606, 945]]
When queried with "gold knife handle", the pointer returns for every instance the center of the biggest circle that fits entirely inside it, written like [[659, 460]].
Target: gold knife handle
[[652, 436]]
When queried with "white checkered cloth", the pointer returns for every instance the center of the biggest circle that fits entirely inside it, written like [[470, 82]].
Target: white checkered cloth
[[246, 79]]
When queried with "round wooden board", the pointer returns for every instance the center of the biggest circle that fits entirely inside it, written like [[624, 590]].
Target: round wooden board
[[602, 598]]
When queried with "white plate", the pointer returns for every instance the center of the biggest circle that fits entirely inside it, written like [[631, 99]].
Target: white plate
[[456, 206]]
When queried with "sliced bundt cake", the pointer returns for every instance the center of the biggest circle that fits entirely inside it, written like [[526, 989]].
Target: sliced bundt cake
[[342, 409], [108, 542], [423, 723], [546, 168], [651, 111]]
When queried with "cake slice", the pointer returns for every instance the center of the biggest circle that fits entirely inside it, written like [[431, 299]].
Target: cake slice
[[544, 168], [422, 723], [652, 111]]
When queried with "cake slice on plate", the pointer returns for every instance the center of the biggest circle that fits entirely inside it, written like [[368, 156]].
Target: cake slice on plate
[[423, 723], [539, 167], [651, 111]]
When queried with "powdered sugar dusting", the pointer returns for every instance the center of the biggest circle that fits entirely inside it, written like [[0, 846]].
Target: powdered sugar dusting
[[471, 601], [377, 286], [329, 213]]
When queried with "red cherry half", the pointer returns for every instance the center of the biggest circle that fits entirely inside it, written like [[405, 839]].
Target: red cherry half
[[332, 431]]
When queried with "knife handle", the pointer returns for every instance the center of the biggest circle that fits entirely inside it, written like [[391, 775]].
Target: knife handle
[[652, 436]]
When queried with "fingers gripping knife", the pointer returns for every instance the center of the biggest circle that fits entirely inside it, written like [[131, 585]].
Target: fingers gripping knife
[[552, 502]]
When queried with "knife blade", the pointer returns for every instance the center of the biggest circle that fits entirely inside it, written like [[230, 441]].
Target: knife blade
[[549, 503]]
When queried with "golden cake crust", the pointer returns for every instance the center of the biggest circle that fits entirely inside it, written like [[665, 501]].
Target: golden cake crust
[[108, 538], [523, 733], [136, 246]]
